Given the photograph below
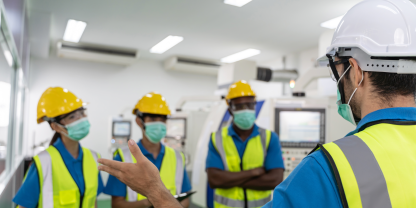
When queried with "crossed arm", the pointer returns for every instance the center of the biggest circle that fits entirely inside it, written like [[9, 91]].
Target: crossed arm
[[257, 179]]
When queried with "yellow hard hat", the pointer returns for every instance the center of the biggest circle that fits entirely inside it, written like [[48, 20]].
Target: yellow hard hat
[[239, 89], [153, 103], [56, 101]]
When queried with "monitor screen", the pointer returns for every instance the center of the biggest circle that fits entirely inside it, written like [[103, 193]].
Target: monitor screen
[[176, 128], [300, 127], [121, 128]]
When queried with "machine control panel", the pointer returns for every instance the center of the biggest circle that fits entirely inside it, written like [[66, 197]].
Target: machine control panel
[[292, 157]]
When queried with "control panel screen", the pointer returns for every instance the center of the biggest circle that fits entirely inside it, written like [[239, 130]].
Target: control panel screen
[[300, 127], [176, 128], [121, 128]]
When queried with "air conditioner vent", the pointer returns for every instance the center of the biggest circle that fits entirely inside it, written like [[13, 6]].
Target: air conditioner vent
[[97, 53], [192, 65], [190, 61]]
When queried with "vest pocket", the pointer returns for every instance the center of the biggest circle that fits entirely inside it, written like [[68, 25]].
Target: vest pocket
[[67, 197]]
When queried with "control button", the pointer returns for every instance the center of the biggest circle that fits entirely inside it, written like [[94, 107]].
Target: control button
[[293, 158]]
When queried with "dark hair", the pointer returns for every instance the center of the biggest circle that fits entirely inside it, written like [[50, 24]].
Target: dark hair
[[389, 85], [54, 138]]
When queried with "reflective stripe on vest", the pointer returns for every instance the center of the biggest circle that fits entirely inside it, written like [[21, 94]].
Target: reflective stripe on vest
[[173, 161], [58, 188], [253, 157], [375, 167]]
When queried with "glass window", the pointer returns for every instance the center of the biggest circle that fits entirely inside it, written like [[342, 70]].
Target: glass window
[[6, 77]]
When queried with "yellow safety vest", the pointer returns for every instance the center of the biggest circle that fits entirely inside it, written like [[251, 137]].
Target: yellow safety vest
[[171, 171], [377, 166], [253, 157], [57, 187]]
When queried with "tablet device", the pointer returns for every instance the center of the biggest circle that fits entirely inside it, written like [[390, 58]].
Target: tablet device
[[182, 196]]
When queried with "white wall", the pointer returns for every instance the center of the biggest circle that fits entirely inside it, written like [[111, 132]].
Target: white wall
[[111, 90]]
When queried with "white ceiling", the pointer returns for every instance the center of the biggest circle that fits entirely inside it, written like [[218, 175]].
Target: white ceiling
[[211, 29]]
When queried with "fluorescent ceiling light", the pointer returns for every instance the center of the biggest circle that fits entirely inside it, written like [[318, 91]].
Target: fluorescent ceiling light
[[237, 3], [332, 23], [74, 30], [166, 44], [240, 55]]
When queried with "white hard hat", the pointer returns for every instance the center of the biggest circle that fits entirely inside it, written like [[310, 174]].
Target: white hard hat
[[379, 34]]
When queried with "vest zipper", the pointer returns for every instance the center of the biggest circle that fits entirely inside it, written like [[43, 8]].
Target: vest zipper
[[244, 190]]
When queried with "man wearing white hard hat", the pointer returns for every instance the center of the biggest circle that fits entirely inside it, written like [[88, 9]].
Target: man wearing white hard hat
[[372, 58]]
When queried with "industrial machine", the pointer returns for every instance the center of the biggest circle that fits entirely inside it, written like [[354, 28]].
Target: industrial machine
[[120, 132]]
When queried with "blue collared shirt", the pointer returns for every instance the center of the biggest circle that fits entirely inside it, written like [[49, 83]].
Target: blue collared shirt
[[274, 152], [28, 194], [115, 187], [312, 183]]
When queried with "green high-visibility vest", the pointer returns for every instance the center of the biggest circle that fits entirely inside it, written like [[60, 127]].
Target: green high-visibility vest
[[171, 171], [57, 187], [253, 157], [377, 166]]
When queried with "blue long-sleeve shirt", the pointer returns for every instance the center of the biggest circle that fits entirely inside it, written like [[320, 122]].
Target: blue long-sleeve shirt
[[312, 183]]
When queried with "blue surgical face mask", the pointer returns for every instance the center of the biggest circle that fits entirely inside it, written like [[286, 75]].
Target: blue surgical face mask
[[155, 131], [345, 109], [244, 119], [79, 129]]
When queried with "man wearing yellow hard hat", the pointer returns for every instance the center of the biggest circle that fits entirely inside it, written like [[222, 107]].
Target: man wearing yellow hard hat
[[151, 114], [244, 162], [65, 174]]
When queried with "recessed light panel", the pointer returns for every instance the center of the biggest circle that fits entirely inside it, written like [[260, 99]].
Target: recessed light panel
[[166, 44], [240, 55], [74, 30]]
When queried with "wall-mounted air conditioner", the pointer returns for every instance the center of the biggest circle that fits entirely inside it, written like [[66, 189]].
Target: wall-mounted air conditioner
[[97, 53], [192, 65]]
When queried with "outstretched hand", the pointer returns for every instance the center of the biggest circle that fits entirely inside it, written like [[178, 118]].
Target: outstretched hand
[[143, 177]]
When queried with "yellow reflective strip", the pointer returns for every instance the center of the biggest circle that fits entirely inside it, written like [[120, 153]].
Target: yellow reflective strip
[[394, 148], [268, 137], [213, 140], [40, 175], [168, 170], [349, 182], [231, 153], [120, 152], [90, 171]]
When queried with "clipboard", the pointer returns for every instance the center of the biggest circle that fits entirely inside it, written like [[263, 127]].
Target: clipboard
[[182, 196]]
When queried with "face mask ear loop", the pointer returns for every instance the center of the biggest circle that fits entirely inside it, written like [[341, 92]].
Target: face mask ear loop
[[343, 74], [362, 78]]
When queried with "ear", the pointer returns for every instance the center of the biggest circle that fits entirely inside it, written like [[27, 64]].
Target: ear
[[229, 111], [58, 128], [356, 73], [139, 122]]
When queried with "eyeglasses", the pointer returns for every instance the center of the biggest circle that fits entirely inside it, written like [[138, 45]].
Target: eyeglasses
[[243, 106], [331, 71], [73, 116]]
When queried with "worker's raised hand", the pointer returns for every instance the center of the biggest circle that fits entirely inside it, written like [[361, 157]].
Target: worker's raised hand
[[143, 177]]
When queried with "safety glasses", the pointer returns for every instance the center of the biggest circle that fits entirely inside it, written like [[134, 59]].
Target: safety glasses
[[73, 116], [333, 70], [243, 106]]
